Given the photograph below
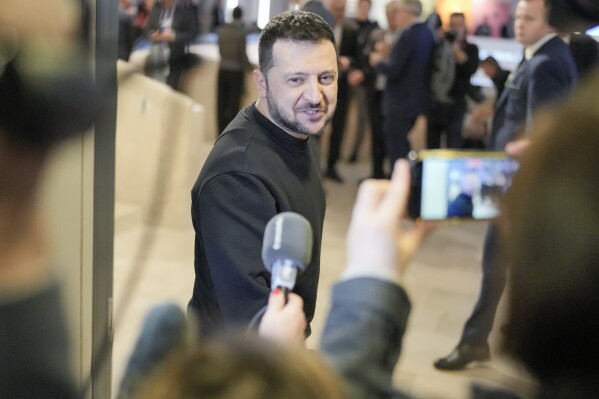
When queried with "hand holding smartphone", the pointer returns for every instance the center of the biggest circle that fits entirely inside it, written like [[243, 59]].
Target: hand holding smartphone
[[458, 185]]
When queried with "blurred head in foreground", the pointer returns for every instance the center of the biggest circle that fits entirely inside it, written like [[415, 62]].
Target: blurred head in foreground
[[243, 368], [552, 230]]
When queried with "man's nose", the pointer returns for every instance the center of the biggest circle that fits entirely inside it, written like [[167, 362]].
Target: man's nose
[[313, 91]]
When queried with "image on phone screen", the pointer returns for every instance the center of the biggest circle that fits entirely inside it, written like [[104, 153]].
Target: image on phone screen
[[460, 185]]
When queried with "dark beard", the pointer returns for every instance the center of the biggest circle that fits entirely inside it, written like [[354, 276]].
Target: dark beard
[[293, 126]]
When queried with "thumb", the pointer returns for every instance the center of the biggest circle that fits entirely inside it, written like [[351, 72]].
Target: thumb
[[295, 300]]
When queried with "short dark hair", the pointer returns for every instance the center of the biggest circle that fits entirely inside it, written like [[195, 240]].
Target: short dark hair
[[294, 26], [237, 13]]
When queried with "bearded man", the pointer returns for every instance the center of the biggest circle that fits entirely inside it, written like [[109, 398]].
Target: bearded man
[[262, 164]]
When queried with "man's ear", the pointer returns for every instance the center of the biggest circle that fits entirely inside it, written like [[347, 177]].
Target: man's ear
[[260, 83]]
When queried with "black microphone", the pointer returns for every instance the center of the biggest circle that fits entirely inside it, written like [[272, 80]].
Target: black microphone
[[287, 247]]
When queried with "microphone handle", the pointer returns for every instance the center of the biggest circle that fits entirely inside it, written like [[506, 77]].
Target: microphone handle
[[283, 274]]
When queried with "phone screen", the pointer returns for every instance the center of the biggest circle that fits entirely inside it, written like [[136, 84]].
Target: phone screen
[[459, 184]]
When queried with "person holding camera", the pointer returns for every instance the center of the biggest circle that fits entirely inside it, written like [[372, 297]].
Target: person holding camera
[[447, 116]]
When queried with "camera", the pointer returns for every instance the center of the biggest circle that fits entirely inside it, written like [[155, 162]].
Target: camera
[[451, 36], [458, 185]]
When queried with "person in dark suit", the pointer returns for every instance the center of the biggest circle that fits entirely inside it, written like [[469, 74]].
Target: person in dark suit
[[408, 70], [360, 91], [173, 25], [546, 74], [232, 68], [346, 35], [375, 84]]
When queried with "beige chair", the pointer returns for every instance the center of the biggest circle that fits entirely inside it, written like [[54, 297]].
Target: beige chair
[[159, 151]]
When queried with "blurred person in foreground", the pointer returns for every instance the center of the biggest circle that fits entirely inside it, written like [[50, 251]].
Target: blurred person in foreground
[[46, 95]]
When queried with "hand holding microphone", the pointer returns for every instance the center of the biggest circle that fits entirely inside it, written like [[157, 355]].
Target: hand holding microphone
[[284, 320], [286, 251]]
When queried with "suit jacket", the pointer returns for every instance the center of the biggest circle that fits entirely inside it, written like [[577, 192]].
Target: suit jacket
[[183, 26], [349, 42], [409, 70], [546, 77]]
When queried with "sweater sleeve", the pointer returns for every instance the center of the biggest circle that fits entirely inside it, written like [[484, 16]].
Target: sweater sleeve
[[234, 209], [363, 333]]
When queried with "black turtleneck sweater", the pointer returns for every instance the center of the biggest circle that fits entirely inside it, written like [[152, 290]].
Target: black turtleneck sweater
[[254, 171]]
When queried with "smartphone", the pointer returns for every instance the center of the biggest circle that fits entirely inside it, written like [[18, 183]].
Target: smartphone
[[458, 185]]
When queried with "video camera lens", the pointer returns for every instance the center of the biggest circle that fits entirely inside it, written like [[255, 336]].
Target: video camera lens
[[451, 36]]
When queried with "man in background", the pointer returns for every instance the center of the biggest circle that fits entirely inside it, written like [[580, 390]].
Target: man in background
[[408, 70], [360, 89], [346, 36], [447, 118], [171, 26], [231, 72]]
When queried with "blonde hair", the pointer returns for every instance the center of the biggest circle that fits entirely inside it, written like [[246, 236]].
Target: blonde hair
[[243, 368]]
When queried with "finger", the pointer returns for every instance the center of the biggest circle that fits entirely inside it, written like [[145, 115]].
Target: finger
[[395, 201], [516, 149], [276, 300], [369, 195]]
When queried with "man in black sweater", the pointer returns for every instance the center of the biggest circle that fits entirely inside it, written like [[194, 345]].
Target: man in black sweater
[[261, 165]]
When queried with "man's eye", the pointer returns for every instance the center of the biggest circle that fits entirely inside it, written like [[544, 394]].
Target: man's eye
[[327, 79], [295, 81]]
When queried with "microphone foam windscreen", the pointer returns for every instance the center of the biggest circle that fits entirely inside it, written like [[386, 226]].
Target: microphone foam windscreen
[[287, 237]]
